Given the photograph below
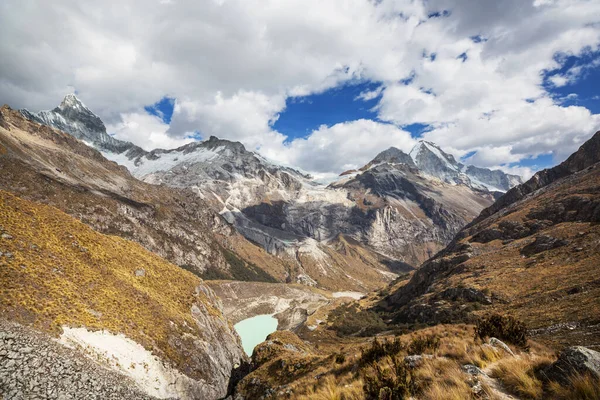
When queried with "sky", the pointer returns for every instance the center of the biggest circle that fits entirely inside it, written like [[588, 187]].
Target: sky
[[318, 85]]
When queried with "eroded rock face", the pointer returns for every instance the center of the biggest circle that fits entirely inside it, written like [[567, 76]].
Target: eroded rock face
[[574, 360]]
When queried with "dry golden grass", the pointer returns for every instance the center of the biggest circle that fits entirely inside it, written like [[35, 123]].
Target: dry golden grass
[[443, 379], [331, 389], [64, 273], [582, 387], [518, 375]]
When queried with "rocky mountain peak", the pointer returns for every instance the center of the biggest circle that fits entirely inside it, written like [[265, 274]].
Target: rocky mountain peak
[[214, 142], [395, 156], [588, 154], [76, 119], [426, 155], [71, 101]]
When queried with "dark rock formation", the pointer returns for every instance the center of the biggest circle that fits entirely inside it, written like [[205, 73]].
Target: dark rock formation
[[571, 361], [465, 294], [542, 243]]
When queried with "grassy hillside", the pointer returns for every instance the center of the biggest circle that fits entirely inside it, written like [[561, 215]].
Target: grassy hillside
[[45, 165], [57, 271], [536, 259]]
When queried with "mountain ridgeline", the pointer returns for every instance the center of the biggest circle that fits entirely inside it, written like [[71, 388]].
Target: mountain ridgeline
[[383, 282], [396, 211], [532, 253]]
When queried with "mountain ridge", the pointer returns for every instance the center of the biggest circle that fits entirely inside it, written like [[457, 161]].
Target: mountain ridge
[[285, 211], [532, 253]]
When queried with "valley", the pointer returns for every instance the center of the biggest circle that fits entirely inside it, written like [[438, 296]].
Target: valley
[[207, 271]]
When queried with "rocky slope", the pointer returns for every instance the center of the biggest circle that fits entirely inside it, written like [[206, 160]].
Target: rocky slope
[[46, 165], [395, 212], [34, 366], [534, 253], [124, 306], [402, 211]]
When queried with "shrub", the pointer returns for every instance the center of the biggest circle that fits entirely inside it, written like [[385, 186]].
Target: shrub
[[380, 349], [389, 381], [584, 387], [349, 319], [340, 358], [503, 327], [424, 344]]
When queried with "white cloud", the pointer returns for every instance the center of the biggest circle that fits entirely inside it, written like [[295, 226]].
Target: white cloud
[[232, 63], [145, 130], [369, 94], [341, 147]]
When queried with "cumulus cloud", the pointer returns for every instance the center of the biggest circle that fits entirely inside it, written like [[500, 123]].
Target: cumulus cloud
[[471, 70], [145, 130], [343, 146]]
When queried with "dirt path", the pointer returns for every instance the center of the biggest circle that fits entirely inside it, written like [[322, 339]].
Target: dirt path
[[498, 391]]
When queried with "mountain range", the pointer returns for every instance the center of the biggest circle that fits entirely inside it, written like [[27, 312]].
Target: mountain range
[[399, 208], [125, 270]]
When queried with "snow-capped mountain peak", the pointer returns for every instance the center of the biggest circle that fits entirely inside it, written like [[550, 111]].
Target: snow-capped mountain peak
[[75, 118], [424, 153], [434, 163], [73, 102]]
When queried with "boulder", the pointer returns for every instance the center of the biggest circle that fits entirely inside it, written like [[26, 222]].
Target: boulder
[[499, 344], [572, 361], [542, 243], [417, 360], [473, 370]]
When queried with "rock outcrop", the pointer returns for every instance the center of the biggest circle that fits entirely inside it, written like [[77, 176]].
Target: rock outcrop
[[576, 360]]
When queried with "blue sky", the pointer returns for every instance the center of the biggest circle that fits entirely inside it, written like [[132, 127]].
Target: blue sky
[[304, 114]]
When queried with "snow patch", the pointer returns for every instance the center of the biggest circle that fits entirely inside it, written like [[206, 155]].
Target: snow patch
[[353, 295], [169, 160], [311, 247], [130, 358]]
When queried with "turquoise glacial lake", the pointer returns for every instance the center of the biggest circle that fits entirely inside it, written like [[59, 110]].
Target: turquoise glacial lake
[[255, 330]]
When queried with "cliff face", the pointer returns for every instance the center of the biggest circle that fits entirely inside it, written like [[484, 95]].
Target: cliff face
[[533, 254], [405, 215], [129, 309]]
